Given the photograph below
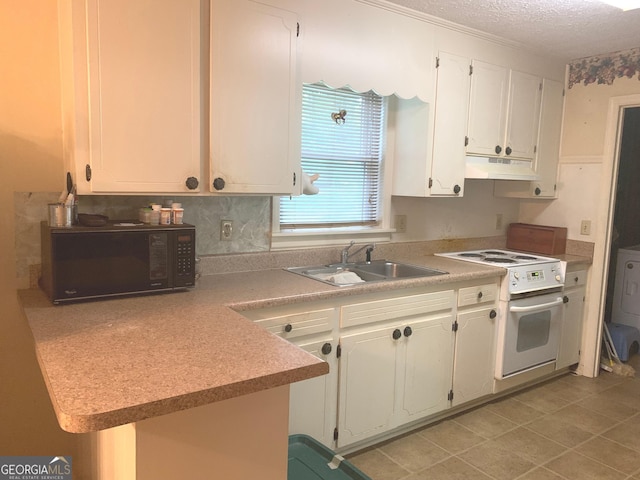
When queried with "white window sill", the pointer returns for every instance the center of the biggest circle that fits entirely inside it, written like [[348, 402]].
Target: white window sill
[[322, 237]]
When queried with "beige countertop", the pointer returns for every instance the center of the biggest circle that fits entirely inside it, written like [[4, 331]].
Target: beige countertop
[[108, 363]]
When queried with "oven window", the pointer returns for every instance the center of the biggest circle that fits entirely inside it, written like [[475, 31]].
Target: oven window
[[533, 330]]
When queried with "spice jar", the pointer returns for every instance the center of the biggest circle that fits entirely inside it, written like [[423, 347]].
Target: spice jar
[[165, 216], [155, 214]]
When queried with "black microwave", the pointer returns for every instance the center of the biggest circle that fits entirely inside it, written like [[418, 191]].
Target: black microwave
[[120, 258]]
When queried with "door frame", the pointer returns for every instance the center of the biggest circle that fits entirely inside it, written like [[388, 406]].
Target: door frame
[[590, 363]]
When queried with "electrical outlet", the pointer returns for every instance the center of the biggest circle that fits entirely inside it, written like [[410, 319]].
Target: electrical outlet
[[585, 227], [400, 223], [226, 229], [498, 221]]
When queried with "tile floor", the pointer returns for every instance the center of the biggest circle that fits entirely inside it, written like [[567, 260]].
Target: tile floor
[[570, 428]]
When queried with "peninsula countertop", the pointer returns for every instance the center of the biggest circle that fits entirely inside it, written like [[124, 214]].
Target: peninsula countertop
[[108, 363]]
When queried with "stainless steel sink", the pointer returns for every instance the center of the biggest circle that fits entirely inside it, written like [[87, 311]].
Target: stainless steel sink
[[397, 270], [342, 274]]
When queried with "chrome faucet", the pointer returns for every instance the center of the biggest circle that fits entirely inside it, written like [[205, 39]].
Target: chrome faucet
[[344, 255]]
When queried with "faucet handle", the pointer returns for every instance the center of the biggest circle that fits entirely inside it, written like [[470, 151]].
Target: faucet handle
[[370, 249]]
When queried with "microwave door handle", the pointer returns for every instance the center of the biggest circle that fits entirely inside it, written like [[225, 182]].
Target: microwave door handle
[[535, 308]]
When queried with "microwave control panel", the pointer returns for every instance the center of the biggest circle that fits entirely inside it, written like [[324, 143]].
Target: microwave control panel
[[185, 258]]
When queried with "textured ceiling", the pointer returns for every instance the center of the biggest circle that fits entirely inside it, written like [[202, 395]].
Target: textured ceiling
[[568, 29]]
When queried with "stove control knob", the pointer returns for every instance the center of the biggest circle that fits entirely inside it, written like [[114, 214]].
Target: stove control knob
[[516, 275], [558, 278]]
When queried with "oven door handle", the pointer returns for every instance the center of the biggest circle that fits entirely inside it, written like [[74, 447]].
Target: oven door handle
[[535, 308]]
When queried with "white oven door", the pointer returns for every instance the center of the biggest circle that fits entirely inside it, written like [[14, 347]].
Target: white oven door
[[531, 332]]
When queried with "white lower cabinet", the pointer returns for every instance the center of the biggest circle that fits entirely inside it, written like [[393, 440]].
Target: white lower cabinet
[[571, 332], [393, 375], [475, 355], [312, 402], [394, 358]]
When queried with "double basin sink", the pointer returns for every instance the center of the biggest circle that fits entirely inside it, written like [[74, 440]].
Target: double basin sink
[[344, 274]]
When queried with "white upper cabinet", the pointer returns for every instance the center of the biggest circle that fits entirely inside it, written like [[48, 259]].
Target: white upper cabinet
[[487, 108], [450, 125], [547, 153], [132, 94], [255, 96], [549, 138], [524, 115], [429, 153], [504, 112]]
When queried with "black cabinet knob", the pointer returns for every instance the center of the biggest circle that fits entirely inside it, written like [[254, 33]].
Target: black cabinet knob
[[479, 295], [396, 334], [498, 149], [326, 349], [537, 191], [493, 314], [218, 183], [407, 331], [565, 299], [508, 151], [288, 327], [192, 183], [456, 189]]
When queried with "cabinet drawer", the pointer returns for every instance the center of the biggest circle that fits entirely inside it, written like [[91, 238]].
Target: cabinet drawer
[[392, 308], [477, 295], [575, 279], [299, 324]]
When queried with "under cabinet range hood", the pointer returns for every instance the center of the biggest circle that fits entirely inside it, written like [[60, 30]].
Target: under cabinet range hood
[[499, 168]]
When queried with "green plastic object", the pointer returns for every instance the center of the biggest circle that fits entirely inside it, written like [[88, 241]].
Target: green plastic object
[[310, 460]]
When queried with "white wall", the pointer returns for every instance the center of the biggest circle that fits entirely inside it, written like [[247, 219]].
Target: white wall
[[30, 160], [579, 190], [473, 215]]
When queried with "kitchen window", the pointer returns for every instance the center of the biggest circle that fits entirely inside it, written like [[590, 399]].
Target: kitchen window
[[343, 137]]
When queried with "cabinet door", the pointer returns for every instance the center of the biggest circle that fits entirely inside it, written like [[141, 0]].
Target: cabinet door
[[548, 143], [367, 384], [488, 109], [426, 370], [254, 99], [144, 95], [548, 149], [312, 406], [450, 125], [571, 332], [523, 116], [474, 355]]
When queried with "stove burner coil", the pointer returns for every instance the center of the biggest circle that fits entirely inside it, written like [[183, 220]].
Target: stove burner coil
[[500, 260]]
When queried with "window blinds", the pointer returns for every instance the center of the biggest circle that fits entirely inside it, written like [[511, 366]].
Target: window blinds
[[348, 157]]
